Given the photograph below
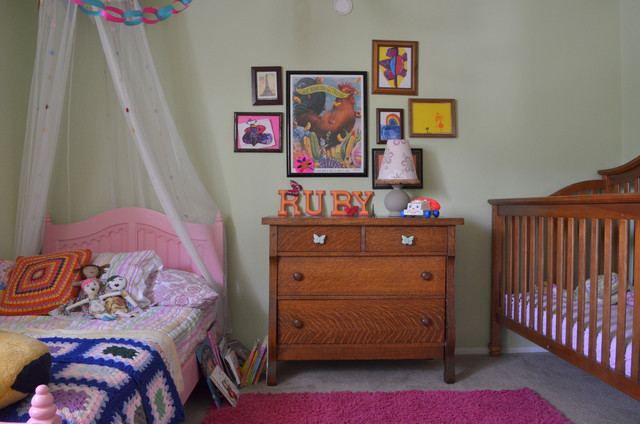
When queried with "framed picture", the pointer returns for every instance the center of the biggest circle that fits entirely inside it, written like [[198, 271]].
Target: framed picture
[[395, 67], [432, 117], [326, 124], [257, 132], [266, 85], [376, 159], [390, 124]]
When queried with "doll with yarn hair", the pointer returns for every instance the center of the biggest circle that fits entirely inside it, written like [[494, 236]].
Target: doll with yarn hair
[[91, 286], [116, 299]]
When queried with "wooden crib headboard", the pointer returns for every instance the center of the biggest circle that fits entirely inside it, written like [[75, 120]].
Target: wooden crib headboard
[[621, 179]]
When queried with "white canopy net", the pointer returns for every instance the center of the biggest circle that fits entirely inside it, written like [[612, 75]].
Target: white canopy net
[[168, 167]]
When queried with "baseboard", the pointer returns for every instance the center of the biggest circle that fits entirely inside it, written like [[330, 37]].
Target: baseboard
[[482, 351]]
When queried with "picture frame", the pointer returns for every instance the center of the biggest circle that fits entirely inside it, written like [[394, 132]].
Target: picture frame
[[376, 163], [266, 85], [394, 67], [327, 124], [389, 125], [257, 132], [432, 118]]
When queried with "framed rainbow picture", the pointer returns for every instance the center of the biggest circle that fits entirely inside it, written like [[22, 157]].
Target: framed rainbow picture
[[390, 124]]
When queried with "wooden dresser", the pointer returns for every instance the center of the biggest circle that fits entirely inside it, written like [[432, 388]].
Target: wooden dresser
[[361, 288]]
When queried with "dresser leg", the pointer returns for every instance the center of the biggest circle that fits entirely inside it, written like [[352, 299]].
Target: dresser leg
[[271, 372], [449, 370]]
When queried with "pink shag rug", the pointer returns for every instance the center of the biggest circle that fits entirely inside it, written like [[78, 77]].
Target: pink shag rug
[[406, 407]]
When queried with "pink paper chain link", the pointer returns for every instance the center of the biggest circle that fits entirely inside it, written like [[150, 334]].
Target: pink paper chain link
[[131, 17]]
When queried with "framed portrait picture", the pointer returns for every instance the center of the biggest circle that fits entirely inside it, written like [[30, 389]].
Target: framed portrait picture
[[326, 124], [432, 117], [390, 124], [257, 132], [266, 85], [376, 160], [394, 67]]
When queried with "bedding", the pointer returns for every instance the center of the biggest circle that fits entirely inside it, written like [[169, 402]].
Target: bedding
[[107, 380]]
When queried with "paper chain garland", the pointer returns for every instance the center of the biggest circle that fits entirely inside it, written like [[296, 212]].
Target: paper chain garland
[[130, 17]]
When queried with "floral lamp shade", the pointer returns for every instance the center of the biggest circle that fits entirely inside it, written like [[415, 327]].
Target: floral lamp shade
[[397, 166]]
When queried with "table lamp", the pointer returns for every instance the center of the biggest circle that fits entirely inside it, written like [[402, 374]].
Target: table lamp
[[397, 169]]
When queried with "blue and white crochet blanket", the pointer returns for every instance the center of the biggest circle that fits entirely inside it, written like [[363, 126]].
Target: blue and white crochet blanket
[[106, 380]]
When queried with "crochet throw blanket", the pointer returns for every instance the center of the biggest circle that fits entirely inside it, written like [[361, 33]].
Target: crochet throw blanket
[[106, 381]]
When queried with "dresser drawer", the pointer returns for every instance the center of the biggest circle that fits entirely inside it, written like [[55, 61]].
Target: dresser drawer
[[319, 239], [374, 275], [406, 239], [361, 321]]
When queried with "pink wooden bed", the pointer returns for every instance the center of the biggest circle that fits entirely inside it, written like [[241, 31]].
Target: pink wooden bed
[[546, 251], [127, 230]]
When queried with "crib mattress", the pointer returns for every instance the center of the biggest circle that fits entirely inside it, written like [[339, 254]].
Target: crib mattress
[[524, 301]]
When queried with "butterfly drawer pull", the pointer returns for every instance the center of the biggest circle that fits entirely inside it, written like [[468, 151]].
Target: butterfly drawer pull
[[319, 239], [407, 240]]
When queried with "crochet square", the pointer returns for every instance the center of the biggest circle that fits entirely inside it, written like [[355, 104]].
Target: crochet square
[[39, 284]]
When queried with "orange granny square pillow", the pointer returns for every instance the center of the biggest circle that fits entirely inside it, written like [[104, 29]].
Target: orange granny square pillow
[[39, 284]]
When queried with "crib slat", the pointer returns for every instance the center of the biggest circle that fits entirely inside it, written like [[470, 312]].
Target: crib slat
[[525, 269], [623, 254], [540, 271], [560, 248], [550, 273], [517, 269], [582, 275], [510, 264], [606, 301], [635, 347], [532, 270], [593, 312], [570, 259]]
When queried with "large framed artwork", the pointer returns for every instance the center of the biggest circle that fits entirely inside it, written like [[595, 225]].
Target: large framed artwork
[[257, 132], [394, 67], [326, 124], [432, 118]]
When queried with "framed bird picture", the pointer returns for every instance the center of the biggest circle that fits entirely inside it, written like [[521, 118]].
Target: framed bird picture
[[257, 132], [394, 67], [326, 124]]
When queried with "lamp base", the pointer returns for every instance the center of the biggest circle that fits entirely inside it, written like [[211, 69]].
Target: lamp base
[[396, 201]]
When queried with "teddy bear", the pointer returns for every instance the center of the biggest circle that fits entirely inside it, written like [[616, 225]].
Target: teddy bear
[[26, 363]]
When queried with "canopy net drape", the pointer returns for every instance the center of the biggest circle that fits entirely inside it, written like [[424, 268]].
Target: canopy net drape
[[149, 123]]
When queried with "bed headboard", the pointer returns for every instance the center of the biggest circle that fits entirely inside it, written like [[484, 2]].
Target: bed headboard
[[131, 229], [622, 179]]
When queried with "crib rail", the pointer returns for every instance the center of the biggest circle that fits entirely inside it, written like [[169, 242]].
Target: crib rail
[[546, 253]]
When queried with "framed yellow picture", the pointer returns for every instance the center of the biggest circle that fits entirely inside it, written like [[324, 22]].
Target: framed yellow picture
[[432, 117]]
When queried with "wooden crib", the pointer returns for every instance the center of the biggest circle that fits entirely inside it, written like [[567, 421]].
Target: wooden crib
[[547, 251]]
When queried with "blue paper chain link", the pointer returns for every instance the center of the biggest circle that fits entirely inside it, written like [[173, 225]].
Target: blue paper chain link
[[130, 17]]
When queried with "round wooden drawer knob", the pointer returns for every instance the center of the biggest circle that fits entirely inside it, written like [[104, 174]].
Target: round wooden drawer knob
[[426, 322], [298, 276], [427, 276], [297, 323]]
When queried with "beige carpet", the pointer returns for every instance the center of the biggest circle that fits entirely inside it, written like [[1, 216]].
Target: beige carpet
[[580, 397]]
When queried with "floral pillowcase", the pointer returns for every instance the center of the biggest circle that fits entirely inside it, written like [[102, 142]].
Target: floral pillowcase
[[172, 287]]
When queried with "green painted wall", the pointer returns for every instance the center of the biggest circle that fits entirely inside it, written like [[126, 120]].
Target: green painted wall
[[538, 85]]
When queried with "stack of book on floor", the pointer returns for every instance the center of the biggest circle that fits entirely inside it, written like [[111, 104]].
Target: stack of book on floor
[[228, 365]]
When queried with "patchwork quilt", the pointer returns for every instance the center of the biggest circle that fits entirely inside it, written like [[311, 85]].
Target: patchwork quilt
[[107, 380]]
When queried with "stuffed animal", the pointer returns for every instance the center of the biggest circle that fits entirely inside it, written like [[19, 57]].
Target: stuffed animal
[[26, 363], [91, 287], [116, 299]]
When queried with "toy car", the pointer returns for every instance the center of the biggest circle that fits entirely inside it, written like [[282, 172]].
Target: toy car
[[422, 207]]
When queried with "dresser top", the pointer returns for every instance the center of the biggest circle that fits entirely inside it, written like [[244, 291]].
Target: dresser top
[[396, 222]]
